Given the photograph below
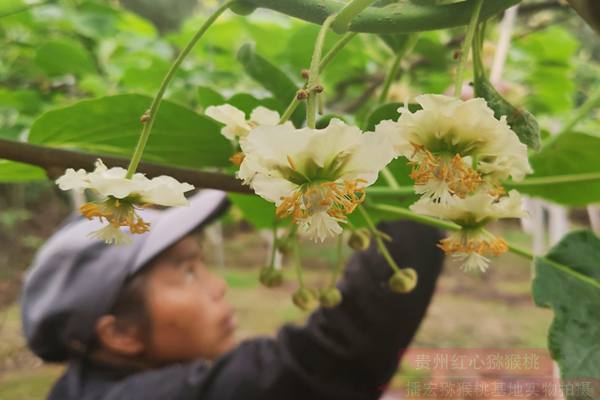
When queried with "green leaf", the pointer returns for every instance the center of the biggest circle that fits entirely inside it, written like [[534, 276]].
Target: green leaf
[[209, 97], [246, 102], [256, 210], [64, 56], [25, 101], [566, 171], [394, 42], [387, 111], [521, 121], [14, 172], [112, 125], [272, 78], [573, 294]]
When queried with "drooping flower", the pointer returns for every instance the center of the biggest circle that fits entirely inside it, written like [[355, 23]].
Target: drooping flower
[[236, 124], [472, 245], [456, 146], [316, 176], [120, 197]]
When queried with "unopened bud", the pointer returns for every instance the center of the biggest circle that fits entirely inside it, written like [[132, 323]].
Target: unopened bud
[[270, 277], [145, 117], [360, 239], [305, 73], [305, 299], [318, 89], [302, 94], [403, 281], [330, 297]]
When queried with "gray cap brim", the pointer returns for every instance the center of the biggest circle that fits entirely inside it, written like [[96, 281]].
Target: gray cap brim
[[74, 279]]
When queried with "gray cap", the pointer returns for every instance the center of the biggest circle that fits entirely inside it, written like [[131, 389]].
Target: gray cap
[[75, 279]]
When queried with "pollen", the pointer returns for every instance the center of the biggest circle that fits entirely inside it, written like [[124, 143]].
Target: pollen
[[292, 163], [117, 213], [482, 246], [460, 179], [338, 199], [237, 158]]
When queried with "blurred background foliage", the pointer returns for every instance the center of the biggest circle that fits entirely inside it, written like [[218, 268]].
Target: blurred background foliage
[[78, 74]]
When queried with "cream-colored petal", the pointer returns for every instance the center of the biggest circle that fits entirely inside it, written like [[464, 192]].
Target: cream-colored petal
[[233, 118], [373, 153], [263, 116], [272, 188], [320, 226], [335, 140], [166, 191], [111, 234], [72, 179]]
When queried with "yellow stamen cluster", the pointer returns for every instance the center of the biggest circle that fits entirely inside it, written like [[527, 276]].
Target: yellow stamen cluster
[[460, 178], [337, 199], [237, 158], [494, 246], [118, 213]]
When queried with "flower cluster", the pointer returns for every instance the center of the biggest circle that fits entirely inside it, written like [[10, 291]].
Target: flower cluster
[[459, 153], [121, 196]]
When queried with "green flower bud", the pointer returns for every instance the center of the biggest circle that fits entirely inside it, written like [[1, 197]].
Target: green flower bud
[[270, 277], [360, 239], [284, 245], [241, 7], [403, 281], [305, 299], [330, 297]]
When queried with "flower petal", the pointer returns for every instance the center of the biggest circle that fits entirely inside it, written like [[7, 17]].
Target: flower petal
[[263, 116], [72, 179], [166, 191]]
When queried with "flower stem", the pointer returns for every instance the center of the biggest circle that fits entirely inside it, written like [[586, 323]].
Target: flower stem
[[554, 179], [511, 247], [324, 61], [408, 45], [335, 48], [274, 246], [298, 264], [592, 102], [150, 115], [313, 77], [380, 245], [346, 14], [340, 261], [464, 52], [289, 110]]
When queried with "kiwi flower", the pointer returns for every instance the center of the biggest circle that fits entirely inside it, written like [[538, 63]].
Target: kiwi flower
[[120, 197], [315, 176]]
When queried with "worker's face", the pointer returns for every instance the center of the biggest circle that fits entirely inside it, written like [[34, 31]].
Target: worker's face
[[189, 315]]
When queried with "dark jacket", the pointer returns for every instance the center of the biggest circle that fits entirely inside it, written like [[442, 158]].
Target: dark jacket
[[348, 352]]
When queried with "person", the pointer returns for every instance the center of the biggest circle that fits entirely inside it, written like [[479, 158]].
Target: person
[[149, 321]]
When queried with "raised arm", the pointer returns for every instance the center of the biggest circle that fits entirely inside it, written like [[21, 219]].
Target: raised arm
[[347, 352]]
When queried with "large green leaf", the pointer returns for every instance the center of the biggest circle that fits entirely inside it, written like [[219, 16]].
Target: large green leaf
[[64, 56], [256, 210], [112, 125], [566, 171], [521, 121], [574, 296], [272, 78], [13, 172]]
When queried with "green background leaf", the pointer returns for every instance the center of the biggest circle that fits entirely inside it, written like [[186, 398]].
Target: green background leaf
[[567, 154], [573, 336], [112, 125]]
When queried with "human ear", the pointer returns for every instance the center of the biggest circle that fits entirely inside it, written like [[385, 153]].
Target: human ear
[[117, 337]]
